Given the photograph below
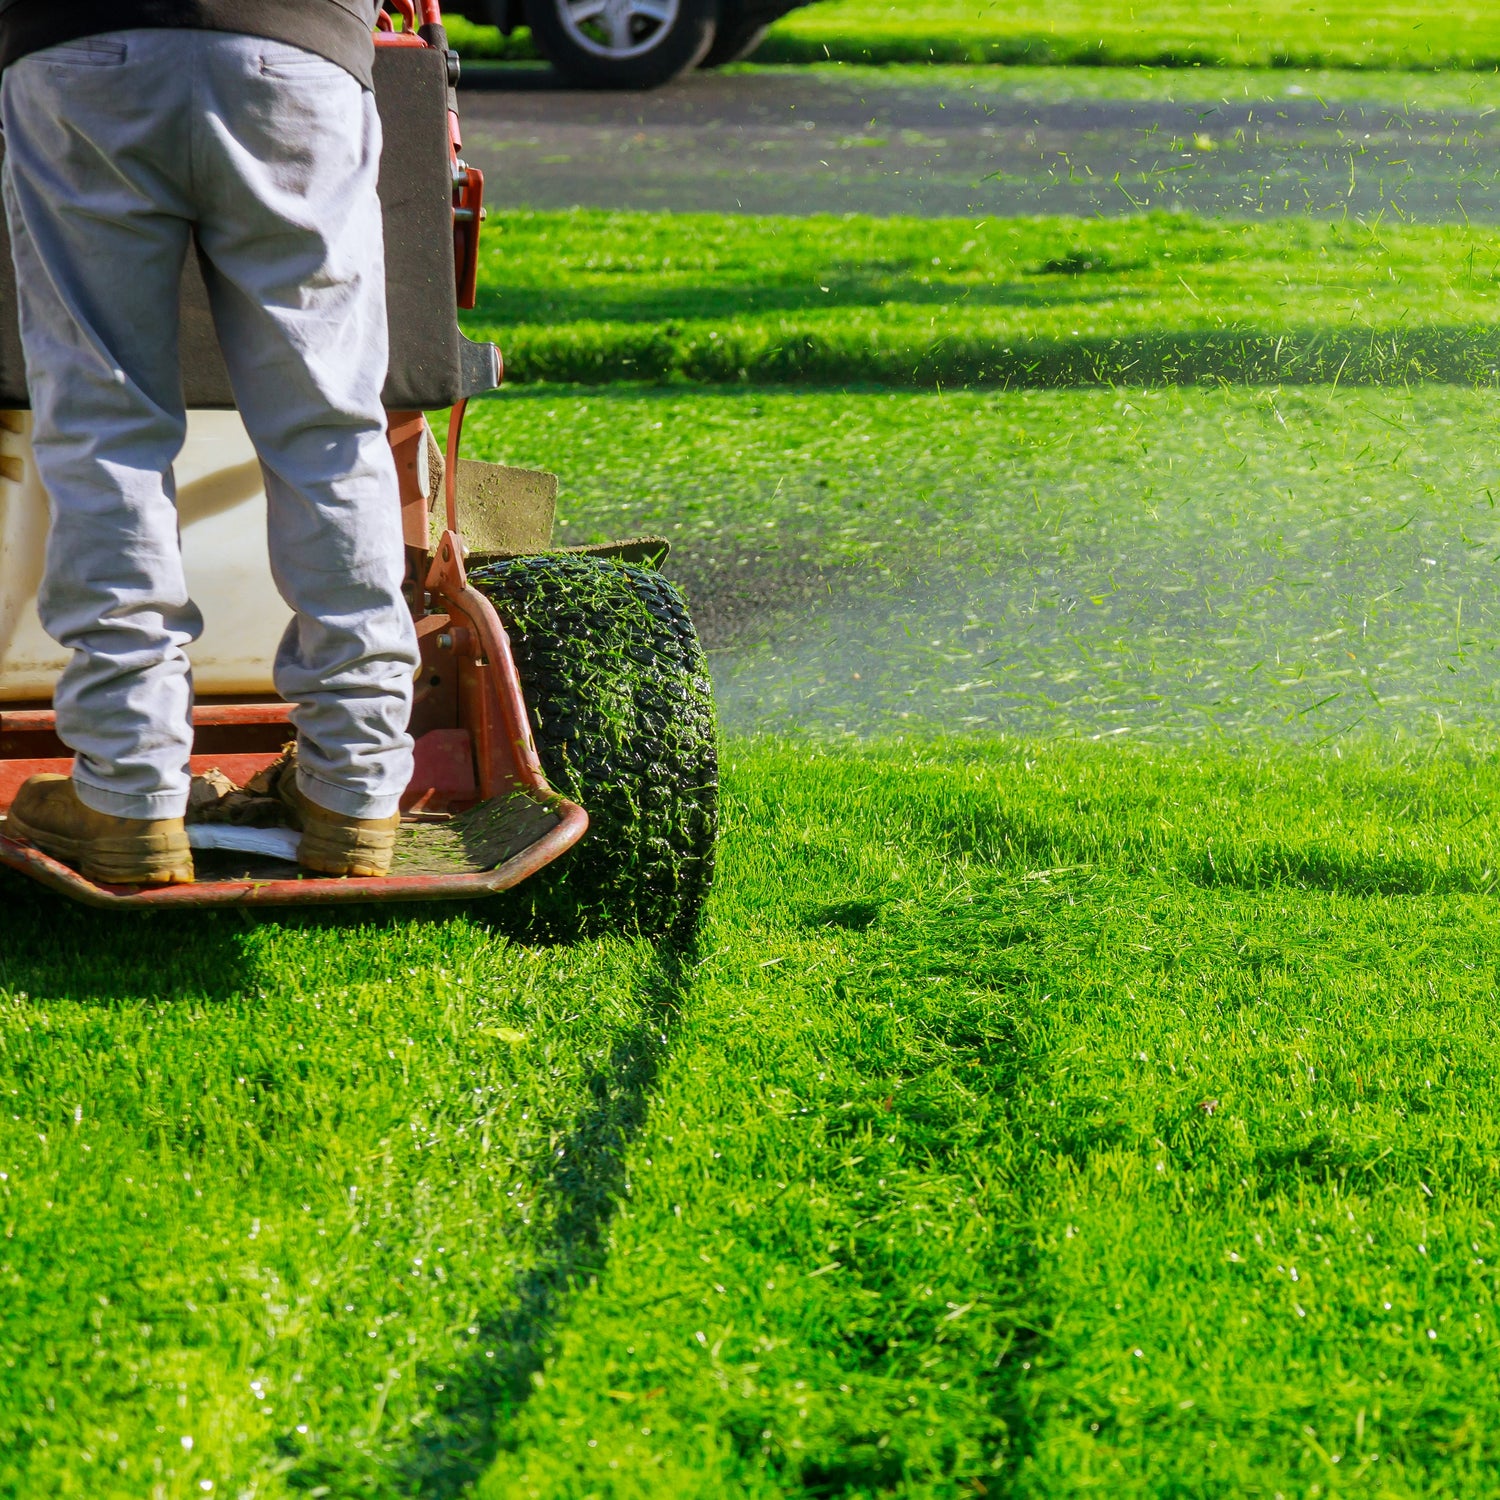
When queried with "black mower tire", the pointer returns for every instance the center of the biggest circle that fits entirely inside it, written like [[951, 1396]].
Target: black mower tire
[[735, 39], [622, 713], [680, 46]]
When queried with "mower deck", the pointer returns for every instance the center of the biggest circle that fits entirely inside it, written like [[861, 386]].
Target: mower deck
[[492, 847], [442, 854], [479, 816]]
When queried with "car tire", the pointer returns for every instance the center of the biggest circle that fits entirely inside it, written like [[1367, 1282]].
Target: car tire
[[735, 38], [622, 44]]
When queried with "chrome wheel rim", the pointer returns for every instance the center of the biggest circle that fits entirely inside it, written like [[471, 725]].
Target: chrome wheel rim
[[617, 28]]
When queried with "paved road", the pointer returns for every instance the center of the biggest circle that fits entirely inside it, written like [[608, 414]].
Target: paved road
[[788, 142]]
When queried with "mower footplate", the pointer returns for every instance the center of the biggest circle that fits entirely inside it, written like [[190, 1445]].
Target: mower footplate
[[491, 847]]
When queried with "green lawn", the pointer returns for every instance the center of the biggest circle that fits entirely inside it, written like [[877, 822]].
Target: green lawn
[[997, 1060], [597, 296], [1172, 564], [1179, 33], [1037, 1114], [1029, 1119], [1286, 33]]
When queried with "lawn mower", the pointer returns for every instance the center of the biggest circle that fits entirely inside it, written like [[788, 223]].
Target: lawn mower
[[551, 681]]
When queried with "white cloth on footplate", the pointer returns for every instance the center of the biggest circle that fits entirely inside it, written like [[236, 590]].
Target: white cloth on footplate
[[122, 152]]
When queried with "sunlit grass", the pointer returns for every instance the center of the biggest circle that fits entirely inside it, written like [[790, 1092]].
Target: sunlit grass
[[1033, 1116], [1109, 1121], [595, 296], [1329, 33], [994, 1065]]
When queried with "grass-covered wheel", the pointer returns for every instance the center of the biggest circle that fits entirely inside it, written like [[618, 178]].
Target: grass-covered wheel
[[622, 711]]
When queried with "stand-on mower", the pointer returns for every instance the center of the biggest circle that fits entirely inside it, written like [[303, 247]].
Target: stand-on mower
[[551, 680]]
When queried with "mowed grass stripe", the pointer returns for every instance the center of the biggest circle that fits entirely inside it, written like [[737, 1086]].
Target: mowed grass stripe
[[591, 296], [281, 1201], [996, 1064], [1311, 564]]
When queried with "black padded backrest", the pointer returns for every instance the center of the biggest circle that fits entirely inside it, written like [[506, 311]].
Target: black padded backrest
[[432, 363]]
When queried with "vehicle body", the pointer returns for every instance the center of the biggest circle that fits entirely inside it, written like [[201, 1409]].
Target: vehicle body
[[633, 44]]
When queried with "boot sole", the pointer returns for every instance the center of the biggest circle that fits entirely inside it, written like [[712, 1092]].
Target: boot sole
[[360, 853], [158, 859]]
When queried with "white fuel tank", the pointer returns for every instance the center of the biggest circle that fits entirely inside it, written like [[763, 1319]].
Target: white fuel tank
[[221, 503]]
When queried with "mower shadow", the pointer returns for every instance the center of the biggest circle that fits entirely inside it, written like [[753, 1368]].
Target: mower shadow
[[54, 948], [580, 1183], [583, 1181]]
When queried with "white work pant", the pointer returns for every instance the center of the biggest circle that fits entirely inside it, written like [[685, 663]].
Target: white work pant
[[120, 152]]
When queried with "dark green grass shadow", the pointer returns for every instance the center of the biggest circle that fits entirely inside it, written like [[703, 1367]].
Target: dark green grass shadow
[[583, 1181], [55, 948], [909, 359], [58, 948], [1089, 837], [1265, 866]]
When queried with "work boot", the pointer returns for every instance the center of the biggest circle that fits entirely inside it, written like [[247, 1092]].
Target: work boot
[[334, 843], [49, 813]]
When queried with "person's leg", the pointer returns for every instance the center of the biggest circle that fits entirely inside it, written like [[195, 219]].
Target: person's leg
[[95, 164], [290, 228]]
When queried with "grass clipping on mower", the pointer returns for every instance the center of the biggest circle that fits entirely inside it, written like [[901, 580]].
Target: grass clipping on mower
[[480, 839]]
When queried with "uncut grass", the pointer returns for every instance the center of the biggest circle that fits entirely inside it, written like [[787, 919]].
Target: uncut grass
[[1073, 1118], [996, 1064], [595, 296]]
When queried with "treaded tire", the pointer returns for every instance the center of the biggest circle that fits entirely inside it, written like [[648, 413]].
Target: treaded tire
[[734, 40], [623, 717], [682, 45]]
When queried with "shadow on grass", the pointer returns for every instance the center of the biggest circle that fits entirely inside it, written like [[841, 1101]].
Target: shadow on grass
[[54, 948], [581, 1182], [1267, 866], [766, 353]]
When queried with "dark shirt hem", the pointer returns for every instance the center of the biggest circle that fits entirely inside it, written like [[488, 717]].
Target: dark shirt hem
[[339, 30]]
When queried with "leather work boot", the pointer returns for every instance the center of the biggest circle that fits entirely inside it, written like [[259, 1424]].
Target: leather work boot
[[333, 843], [49, 814]]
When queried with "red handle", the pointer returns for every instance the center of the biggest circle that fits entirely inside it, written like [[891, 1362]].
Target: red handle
[[414, 14]]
